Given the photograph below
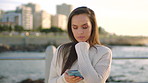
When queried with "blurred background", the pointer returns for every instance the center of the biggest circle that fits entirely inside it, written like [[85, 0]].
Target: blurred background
[[27, 27]]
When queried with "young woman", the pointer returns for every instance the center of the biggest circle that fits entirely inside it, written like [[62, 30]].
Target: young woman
[[84, 53]]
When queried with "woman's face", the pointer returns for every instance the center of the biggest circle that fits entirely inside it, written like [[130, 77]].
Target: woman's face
[[81, 27]]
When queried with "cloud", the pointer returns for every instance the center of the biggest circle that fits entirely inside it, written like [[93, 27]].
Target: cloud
[[46, 5], [9, 4]]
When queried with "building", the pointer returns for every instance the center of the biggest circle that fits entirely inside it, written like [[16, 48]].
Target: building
[[45, 19], [26, 16], [60, 21], [35, 7], [64, 9], [36, 20], [42, 19], [36, 14], [21, 16], [1, 14], [12, 17], [30, 16]]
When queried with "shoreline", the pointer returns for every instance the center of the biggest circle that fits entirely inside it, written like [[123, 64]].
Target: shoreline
[[27, 48], [42, 48], [40, 43], [41, 80]]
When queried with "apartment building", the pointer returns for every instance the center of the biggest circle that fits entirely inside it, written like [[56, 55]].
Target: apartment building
[[27, 17], [59, 20], [64, 9], [40, 18], [13, 17]]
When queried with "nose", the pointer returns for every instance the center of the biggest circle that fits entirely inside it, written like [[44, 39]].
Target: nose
[[80, 31]]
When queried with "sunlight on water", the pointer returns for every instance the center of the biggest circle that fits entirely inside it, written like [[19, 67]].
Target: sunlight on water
[[134, 70], [12, 71], [18, 70]]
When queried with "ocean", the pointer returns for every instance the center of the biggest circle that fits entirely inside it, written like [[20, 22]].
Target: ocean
[[13, 71]]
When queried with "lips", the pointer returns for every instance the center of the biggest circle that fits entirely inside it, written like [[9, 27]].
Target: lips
[[81, 37]]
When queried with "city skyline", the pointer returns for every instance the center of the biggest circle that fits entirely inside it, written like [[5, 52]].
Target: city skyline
[[124, 17]]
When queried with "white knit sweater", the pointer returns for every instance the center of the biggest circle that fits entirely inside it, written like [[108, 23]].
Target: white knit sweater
[[93, 63]]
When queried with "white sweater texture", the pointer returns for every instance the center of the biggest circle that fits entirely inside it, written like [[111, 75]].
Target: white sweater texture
[[94, 64]]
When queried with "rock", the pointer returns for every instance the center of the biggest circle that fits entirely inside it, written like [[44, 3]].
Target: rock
[[112, 79], [32, 81], [4, 48]]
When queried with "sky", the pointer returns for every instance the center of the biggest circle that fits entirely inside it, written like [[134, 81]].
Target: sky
[[121, 17]]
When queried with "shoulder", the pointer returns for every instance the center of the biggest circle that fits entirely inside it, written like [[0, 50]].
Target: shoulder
[[100, 53], [63, 46], [101, 50]]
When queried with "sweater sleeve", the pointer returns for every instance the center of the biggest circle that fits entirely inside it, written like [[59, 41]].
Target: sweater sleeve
[[54, 77], [93, 74]]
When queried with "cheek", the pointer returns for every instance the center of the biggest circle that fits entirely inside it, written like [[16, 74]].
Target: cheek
[[88, 32], [74, 32]]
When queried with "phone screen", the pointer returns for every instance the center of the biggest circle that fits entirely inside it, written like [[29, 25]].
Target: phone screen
[[74, 73]]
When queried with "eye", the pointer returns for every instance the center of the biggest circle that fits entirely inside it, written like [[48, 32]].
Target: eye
[[74, 27], [85, 27]]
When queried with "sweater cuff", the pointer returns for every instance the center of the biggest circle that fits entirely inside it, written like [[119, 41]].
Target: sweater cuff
[[64, 78]]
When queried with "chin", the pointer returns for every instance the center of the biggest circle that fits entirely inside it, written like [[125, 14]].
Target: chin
[[81, 41]]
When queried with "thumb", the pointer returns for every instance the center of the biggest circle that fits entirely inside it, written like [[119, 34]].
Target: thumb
[[67, 70]]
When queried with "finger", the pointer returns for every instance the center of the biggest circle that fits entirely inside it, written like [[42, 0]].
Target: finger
[[71, 77], [67, 77], [67, 70], [66, 74], [78, 79], [74, 78]]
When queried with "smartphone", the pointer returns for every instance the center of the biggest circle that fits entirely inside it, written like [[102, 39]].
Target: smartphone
[[75, 73]]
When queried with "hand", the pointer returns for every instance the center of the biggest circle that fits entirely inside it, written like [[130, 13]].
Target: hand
[[82, 46], [71, 79]]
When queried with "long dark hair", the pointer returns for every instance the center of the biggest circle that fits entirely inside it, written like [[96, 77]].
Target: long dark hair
[[93, 39]]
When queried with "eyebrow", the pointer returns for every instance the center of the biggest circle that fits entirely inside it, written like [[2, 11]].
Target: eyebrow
[[81, 25]]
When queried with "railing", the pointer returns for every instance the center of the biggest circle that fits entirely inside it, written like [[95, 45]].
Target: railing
[[51, 50], [22, 58], [43, 58], [127, 82]]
